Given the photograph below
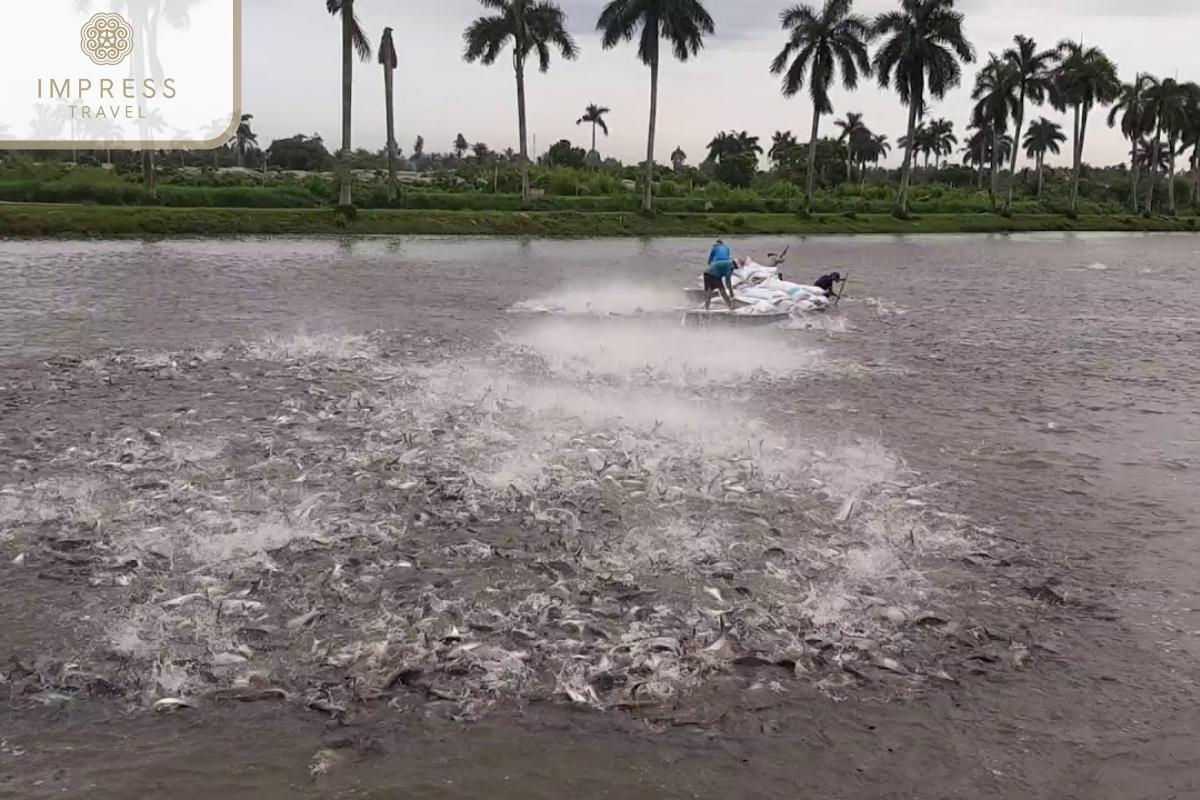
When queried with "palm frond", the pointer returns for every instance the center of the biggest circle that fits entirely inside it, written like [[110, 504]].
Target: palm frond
[[485, 38]]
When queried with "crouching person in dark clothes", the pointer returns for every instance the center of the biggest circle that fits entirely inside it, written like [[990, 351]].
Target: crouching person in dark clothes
[[826, 282], [718, 277]]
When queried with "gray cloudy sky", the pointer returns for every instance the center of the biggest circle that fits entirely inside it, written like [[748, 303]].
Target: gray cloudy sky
[[292, 75]]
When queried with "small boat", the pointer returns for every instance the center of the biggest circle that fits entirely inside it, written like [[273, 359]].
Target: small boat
[[698, 317]]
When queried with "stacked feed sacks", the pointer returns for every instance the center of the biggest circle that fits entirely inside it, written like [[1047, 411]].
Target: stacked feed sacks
[[764, 292]]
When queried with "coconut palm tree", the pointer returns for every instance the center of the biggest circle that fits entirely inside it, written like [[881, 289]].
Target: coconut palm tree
[[853, 134], [1084, 78], [919, 137], [820, 45], [926, 145], [875, 149], [782, 143], [460, 146], [389, 61], [923, 45], [678, 158], [354, 40], [1171, 101], [979, 149], [1044, 136], [995, 96], [244, 136], [1191, 138], [683, 24], [1031, 73], [529, 26], [1136, 120], [594, 115], [941, 137]]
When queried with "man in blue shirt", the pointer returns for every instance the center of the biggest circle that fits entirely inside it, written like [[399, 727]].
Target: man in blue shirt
[[719, 252], [718, 277]]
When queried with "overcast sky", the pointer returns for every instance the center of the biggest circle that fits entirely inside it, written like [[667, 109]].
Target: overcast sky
[[292, 74]]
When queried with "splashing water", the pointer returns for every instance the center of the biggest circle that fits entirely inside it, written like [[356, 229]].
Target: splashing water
[[602, 299]]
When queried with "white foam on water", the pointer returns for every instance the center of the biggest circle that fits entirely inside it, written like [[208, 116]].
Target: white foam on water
[[884, 308], [1097, 266], [612, 297], [629, 348]]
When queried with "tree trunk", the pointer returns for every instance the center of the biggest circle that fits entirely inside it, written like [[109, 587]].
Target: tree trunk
[[148, 173], [1012, 164], [1154, 155], [522, 128], [390, 104], [593, 137], [1171, 172], [647, 201], [1133, 172], [914, 102], [344, 194], [1196, 174], [1082, 114], [1040, 161], [812, 161], [849, 162], [995, 166]]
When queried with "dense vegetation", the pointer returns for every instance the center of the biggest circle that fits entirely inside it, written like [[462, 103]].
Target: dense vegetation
[[478, 186], [918, 50]]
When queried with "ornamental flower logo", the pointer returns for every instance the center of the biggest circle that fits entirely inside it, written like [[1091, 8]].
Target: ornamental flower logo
[[107, 39]]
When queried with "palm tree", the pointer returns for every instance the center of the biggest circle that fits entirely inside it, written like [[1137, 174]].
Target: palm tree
[[678, 158], [1152, 160], [823, 43], [1044, 136], [1031, 74], [853, 133], [244, 136], [995, 94], [683, 24], [529, 26], [353, 41], [981, 149], [460, 146], [595, 115], [731, 144], [919, 138], [1136, 120], [1174, 102], [942, 138], [782, 144], [875, 148], [389, 60], [923, 45], [1191, 138], [1083, 79]]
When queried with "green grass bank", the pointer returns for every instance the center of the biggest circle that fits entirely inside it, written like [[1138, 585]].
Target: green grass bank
[[80, 221]]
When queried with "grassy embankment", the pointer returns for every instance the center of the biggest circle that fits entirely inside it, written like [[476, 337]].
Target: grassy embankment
[[76, 221], [52, 201]]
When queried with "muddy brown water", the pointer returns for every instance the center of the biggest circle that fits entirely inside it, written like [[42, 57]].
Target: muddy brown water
[[1057, 377]]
